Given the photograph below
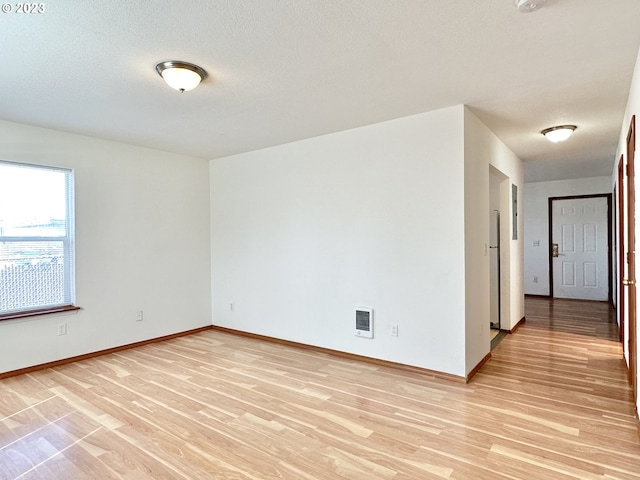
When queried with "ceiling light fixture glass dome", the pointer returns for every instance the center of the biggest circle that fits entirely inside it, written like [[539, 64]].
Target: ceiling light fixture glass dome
[[181, 76], [559, 133], [526, 6]]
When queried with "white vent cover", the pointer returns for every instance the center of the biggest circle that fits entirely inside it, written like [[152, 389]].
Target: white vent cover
[[364, 322]]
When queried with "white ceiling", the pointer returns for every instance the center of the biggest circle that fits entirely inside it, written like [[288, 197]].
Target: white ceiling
[[284, 70]]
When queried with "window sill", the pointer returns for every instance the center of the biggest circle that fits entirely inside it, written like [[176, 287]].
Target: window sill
[[38, 311]]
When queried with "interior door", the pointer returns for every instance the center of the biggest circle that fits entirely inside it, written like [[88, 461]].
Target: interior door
[[630, 281], [580, 248]]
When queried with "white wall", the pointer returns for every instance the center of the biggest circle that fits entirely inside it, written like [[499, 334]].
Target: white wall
[[476, 239], [633, 108], [483, 152], [536, 224], [374, 216], [393, 216], [300, 234], [142, 243], [512, 251]]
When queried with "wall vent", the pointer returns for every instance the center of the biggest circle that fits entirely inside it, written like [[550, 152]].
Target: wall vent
[[364, 322]]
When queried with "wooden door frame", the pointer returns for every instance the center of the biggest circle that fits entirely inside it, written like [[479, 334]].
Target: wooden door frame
[[621, 306], [631, 261], [609, 228]]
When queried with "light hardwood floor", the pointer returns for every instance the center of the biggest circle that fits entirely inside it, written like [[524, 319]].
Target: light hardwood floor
[[552, 403]]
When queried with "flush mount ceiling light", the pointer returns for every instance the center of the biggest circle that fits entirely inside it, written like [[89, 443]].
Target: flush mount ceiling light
[[559, 133], [181, 76], [526, 6]]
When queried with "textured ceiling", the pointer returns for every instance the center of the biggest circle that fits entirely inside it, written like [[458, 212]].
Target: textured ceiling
[[284, 70]]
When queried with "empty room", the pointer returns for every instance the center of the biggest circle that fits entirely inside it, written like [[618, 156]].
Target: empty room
[[338, 239]]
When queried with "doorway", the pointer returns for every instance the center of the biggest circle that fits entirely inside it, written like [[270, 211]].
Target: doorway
[[579, 246], [498, 252], [494, 269]]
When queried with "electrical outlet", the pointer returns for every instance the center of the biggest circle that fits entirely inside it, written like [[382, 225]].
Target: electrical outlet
[[535, 279], [62, 329], [231, 307], [139, 316], [394, 329]]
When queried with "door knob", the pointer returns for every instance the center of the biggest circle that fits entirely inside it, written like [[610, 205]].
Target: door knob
[[628, 282]]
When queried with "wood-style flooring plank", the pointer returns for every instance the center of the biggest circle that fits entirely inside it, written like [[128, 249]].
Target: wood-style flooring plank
[[552, 403]]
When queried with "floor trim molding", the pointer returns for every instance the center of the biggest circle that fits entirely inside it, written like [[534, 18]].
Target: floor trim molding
[[517, 325], [475, 369], [86, 356], [352, 356], [338, 353]]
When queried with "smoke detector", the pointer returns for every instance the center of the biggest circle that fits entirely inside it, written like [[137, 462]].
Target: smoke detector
[[526, 6]]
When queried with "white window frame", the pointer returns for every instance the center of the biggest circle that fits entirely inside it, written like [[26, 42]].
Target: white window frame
[[68, 245]]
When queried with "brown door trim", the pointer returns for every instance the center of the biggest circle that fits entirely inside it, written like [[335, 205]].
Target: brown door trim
[[621, 247], [609, 231], [631, 258]]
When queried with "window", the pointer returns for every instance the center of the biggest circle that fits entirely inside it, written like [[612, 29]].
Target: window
[[36, 239]]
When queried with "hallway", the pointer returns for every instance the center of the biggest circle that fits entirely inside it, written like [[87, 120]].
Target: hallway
[[564, 374]]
